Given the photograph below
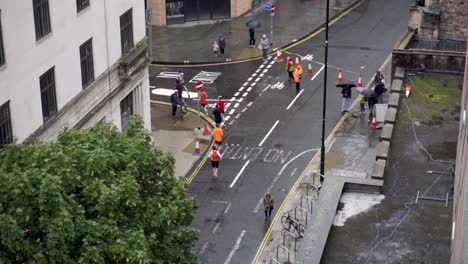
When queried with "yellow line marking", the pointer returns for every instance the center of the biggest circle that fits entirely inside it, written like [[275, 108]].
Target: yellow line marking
[[205, 157]]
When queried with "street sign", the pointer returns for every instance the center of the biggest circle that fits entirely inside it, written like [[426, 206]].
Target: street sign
[[199, 86], [272, 10], [266, 6]]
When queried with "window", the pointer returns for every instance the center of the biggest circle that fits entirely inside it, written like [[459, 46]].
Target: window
[[87, 68], [126, 31], [41, 18], [6, 135], [81, 4], [48, 98], [2, 52], [126, 110]]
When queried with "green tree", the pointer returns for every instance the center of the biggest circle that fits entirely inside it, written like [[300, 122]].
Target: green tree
[[93, 196]]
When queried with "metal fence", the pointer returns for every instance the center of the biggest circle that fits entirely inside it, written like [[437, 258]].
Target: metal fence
[[439, 44]]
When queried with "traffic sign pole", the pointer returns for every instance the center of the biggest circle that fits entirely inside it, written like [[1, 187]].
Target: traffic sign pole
[[272, 14]]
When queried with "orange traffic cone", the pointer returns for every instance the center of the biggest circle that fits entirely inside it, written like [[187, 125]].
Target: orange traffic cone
[[309, 69], [373, 123], [407, 90], [278, 55], [340, 77], [197, 151], [297, 60], [359, 83], [205, 129]]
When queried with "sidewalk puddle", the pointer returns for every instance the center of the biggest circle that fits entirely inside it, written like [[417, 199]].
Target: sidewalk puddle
[[354, 204]]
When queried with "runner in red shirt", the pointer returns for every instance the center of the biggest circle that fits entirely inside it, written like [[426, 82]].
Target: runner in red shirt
[[220, 104], [215, 157]]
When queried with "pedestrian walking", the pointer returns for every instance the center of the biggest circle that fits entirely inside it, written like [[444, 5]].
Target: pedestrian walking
[[220, 105], [264, 44], [218, 135], [180, 77], [203, 100], [215, 48], [217, 115], [298, 76], [346, 93], [252, 37], [175, 100], [215, 157], [290, 69], [362, 101], [268, 204], [371, 101], [222, 44], [379, 88], [179, 88]]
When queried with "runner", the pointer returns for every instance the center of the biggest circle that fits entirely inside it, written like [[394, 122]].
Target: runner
[[218, 134], [217, 115], [215, 157], [220, 104], [203, 100]]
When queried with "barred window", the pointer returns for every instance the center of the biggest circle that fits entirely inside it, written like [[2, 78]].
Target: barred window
[[87, 67], [6, 135], [81, 4], [41, 18], [126, 110], [126, 31], [2, 52], [48, 98]]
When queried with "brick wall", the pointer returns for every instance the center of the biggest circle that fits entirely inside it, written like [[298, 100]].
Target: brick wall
[[454, 19]]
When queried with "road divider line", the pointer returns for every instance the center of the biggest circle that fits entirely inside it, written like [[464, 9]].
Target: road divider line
[[318, 72], [216, 228], [204, 248], [294, 100], [239, 174], [227, 208], [268, 134], [236, 247]]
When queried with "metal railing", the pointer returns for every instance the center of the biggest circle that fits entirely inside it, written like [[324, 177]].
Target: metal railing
[[284, 249], [291, 235]]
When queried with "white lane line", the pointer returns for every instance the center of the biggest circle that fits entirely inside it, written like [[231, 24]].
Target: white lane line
[[226, 118], [272, 62], [232, 111], [245, 84], [257, 70], [243, 110], [330, 145], [249, 104], [227, 105], [294, 171], [242, 88], [239, 174], [237, 116], [261, 75], [254, 74], [261, 66], [269, 132], [319, 71], [253, 84], [227, 208], [295, 98], [216, 228], [269, 66], [236, 105], [265, 71], [236, 247], [204, 248], [249, 89], [249, 79], [258, 79], [293, 159], [245, 94], [240, 100], [236, 94], [223, 202]]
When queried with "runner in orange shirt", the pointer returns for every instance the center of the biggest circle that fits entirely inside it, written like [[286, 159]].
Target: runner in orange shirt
[[203, 100], [218, 134]]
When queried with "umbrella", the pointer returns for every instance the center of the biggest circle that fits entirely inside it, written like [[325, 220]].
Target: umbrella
[[343, 85], [253, 23]]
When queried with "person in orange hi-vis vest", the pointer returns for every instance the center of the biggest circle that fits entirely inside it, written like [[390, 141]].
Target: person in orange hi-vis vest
[[203, 101], [290, 69], [218, 134], [215, 157], [298, 76]]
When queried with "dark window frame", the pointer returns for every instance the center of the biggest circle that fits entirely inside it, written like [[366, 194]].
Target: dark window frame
[[87, 63], [126, 32], [6, 132], [2, 51], [127, 109], [42, 21], [81, 5], [48, 94]]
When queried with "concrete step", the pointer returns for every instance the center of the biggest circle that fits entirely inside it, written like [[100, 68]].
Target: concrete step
[[383, 149], [387, 132], [397, 86], [394, 100], [379, 169], [390, 116], [399, 73], [363, 185]]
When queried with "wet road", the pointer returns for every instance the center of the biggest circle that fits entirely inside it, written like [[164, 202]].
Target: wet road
[[270, 131]]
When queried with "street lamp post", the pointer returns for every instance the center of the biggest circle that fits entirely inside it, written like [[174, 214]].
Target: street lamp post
[[322, 149]]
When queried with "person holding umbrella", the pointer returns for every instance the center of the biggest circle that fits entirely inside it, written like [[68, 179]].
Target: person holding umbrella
[[252, 25], [252, 37]]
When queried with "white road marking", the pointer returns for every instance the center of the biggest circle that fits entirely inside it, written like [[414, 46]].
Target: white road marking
[[272, 62], [242, 88], [261, 66], [232, 111], [216, 228], [227, 105], [330, 145], [248, 105], [226, 118], [236, 94], [245, 94], [205, 77], [249, 89], [168, 75], [269, 66], [249, 79], [253, 84], [240, 100], [239, 174], [294, 100], [258, 79], [223, 202], [294, 171], [257, 70], [204, 248], [236, 247], [254, 74], [245, 84], [261, 75], [169, 92], [265, 70], [318, 72], [243, 110], [237, 116], [236, 105], [227, 208], [297, 156], [269, 132]]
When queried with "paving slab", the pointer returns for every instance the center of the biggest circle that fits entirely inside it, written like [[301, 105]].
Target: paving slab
[[390, 116], [394, 100], [387, 132], [397, 86], [399, 73], [382, 150]]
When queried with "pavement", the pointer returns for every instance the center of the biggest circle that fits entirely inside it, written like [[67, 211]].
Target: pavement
[[193, 41], [271, 132]]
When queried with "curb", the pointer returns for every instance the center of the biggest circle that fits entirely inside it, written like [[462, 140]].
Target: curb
[[318, 29], [195, 168]]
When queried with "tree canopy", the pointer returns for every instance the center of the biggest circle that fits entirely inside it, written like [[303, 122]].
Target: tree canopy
[[93, 196]]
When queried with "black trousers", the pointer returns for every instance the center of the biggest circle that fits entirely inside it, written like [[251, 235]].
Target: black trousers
[[221, 51], [268, 211], [298, 87], [252, 41], [174, 109], [290, 73]]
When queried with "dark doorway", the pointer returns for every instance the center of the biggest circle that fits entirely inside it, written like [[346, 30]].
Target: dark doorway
[[178, 11]]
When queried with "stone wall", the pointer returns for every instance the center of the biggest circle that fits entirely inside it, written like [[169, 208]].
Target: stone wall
[[429, 60], [454, 19]]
